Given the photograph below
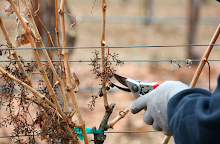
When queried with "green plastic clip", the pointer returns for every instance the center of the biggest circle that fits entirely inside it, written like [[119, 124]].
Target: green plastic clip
[[88, 131]]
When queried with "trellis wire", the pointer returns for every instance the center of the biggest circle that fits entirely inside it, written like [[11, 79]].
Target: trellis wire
[[131, 19], [110, 60], [146, 46], [88, 133], [155, 46]]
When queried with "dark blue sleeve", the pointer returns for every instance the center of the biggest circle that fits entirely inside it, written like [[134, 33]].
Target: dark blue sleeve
[[194, 116]]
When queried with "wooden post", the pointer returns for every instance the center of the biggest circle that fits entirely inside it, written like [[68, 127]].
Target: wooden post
[[193, 18]]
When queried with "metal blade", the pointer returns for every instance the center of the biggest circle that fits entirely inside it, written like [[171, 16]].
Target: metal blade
[[121, 79], [121, 88]]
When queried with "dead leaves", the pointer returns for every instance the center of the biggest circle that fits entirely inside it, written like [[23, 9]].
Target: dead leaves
[[21, 36], [74, 81], [8, 9]]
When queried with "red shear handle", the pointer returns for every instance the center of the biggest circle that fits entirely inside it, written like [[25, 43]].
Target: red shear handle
[[156, 85]]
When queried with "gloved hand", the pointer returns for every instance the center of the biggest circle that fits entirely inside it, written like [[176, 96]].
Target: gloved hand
[[156, 104]]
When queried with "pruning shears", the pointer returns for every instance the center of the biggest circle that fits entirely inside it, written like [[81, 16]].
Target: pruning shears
[[137, 87]]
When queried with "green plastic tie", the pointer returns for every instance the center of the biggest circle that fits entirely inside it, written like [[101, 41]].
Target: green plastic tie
[[88, 131]]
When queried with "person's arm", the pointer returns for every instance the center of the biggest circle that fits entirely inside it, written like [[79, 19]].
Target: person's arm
[[194, 116]]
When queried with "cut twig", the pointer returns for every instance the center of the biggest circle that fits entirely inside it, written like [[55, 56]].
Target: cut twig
[[121, 115], [200, 68], [103, 43]]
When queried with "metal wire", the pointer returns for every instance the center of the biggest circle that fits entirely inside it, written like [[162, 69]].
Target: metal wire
[[88, 133], [146, 46], [134, 19], [129, 131], [196, 60], [17, 136]]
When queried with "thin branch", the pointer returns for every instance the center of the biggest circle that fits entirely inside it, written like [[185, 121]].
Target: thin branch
[[15, 55], [46, 55], [41, 68], [63, 77], [38, 8], [166, 139], [42, 97], [205, 57], [48, 33], [56, 30], [13, 52], [119, 117], [67, 72], [49, 39], [103, 55]]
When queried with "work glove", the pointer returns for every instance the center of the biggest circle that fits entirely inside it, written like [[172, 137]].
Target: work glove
[[155, 104]]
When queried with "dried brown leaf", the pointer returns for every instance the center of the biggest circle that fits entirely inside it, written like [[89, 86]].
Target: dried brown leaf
[[21, 37], [74, 81], [8, 9], [43, 137]]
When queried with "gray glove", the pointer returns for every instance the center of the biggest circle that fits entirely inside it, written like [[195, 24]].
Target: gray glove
[[156, 104]]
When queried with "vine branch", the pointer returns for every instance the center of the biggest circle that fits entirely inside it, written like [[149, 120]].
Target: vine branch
[[103, 44], [41, 68], [67, 72], [13, 52]]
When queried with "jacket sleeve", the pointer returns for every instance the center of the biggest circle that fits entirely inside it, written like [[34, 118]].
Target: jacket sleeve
[[194, 116]]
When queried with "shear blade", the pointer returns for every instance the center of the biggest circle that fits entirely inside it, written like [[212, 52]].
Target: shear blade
[[121, 79], [121, 88]]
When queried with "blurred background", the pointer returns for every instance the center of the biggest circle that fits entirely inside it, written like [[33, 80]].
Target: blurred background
[[131, 23]]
